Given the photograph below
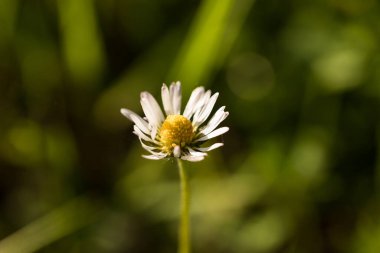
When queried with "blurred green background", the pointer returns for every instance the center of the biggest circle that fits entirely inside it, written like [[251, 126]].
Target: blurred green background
[[300, 169]]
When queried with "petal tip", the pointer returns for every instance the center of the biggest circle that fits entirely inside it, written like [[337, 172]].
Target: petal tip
[[144, 94], [125, 112]]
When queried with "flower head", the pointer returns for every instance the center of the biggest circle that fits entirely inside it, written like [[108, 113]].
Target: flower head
[[175, 134]]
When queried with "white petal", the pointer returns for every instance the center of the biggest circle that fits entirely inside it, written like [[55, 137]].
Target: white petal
[[142, 124], [154, 157], [151, 109], [194, 98], [150, 149], [213, 134], [218, 118], [200, 105], [143, 136], [196, 153], [140, 134], [192, 158], [153, 133], [213, 146], [215, 118], [177, 151], [126, 112], [150, 116], [176, 96], [206, 110], [166, 100]]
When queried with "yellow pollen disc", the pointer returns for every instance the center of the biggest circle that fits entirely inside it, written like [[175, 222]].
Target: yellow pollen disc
[[176, 130]]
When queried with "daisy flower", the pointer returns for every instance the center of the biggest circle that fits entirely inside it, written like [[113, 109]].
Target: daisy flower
[[172, 134]]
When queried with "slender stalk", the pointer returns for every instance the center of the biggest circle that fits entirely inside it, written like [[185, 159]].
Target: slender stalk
[[184, 226]]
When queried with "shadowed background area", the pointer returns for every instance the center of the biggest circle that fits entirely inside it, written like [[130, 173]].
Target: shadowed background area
[[300, 169]]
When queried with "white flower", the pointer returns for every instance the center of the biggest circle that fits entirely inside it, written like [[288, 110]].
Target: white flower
[[178, 135]]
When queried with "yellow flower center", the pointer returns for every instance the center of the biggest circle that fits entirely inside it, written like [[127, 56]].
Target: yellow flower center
[[176, 130]]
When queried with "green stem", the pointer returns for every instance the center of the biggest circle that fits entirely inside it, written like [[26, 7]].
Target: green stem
[[184, 226]]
